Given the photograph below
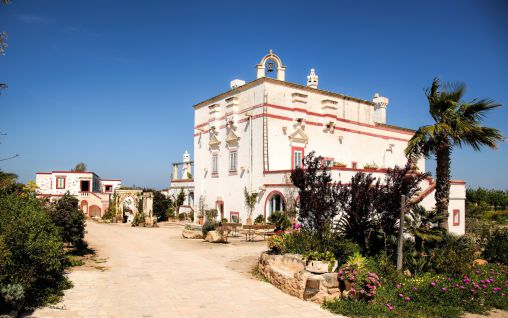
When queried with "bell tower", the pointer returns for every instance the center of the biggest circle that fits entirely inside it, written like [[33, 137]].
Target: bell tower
[[274, 62]]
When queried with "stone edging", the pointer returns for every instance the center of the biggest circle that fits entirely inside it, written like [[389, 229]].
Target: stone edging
[[287, 272]]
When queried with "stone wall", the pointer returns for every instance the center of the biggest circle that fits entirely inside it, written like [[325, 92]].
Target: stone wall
[[287, 272]]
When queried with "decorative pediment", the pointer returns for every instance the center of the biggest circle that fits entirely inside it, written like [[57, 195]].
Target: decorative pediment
[[231, 137], [214, 142], [299, 136]]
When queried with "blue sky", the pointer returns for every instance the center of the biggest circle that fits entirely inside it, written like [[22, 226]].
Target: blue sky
[[112, 83]]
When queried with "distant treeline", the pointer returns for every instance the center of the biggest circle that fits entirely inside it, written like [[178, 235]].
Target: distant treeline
[[496, 199]]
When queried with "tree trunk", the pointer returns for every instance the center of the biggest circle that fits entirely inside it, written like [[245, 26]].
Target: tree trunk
[[443, 181]]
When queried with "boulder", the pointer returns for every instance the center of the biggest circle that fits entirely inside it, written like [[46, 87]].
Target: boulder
[[192, 234], [319, 267], [330, 280], [214, 237], [480, 262]]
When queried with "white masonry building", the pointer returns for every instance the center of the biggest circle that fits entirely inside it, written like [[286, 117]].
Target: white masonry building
[[253, 135], [92, 192]]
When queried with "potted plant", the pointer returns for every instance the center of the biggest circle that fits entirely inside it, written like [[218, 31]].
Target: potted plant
[[320, 263], [250, 202], [370, 166], [339, 164]]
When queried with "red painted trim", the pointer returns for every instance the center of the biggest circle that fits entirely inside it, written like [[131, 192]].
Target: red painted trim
[[380, 170], [295, 109], [108, 185], [275, 185], [64, 183], [456, 215], [231, 213], [293, 149], [269, 196], [111, 180], [182, 180], [340, 119], [457, 182], [43, 173], [425, 193]]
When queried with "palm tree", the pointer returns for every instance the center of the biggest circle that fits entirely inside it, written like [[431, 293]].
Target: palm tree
[[457, 123], [423, 224]]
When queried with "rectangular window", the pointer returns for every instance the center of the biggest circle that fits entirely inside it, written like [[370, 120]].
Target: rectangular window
[[327, 162], [233, 160], [215, 163], [456, 217], [234, 217], [297, 157], [85, 186], [354, 164], [108, 188], [60, 182]]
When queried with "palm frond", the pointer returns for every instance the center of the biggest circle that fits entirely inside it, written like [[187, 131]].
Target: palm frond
[[475, 110]]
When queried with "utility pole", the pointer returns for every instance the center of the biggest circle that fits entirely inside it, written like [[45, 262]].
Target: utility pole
[[400, 246]]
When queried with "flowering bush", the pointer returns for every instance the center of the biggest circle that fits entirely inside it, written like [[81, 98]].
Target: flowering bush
[[431, 295], [361, 283]]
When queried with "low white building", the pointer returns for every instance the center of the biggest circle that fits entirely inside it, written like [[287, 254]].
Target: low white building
[[253, 135], [92, 192]]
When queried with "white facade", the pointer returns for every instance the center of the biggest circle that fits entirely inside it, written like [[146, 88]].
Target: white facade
[[250, 136], [92, 192]]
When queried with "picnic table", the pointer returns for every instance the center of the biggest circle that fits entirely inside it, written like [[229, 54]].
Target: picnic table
[[262, 230], [233, 227]]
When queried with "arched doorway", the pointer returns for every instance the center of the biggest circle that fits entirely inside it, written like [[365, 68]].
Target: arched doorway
[[128, 208], [84, 206], [275, 201], [94, 210]]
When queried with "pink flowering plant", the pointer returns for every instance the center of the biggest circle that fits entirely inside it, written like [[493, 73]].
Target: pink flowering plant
[[361, 283], [431, 295]]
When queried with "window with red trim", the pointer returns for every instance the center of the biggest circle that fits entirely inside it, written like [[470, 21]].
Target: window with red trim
[[327, 162], [108, 188], [60, 182], [234, 217], [297, 154], [456, 217]]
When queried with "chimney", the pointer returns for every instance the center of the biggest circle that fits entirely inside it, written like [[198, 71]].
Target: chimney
[[236, 83], [380, 108]]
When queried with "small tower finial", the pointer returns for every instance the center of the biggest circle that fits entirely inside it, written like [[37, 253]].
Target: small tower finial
[[271, 52], [312, 79]]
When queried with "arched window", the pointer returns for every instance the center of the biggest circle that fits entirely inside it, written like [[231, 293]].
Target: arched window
[[274, 202]]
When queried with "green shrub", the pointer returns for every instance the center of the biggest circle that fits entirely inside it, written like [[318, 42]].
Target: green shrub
[[260, 219], [182, 216], [453, 255], [67, 216], [139, 219], [32, 253], [496, 249], [210, 225], [280, 220]]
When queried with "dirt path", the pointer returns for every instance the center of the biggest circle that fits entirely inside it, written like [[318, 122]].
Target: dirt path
[[147, 272]]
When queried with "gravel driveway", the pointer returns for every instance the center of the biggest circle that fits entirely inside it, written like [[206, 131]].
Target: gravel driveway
[[146, 272]]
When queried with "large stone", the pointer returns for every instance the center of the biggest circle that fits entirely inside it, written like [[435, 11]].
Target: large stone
[[287, 272], [319, 267], [214, 237], [192, 234], [330, 280]]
